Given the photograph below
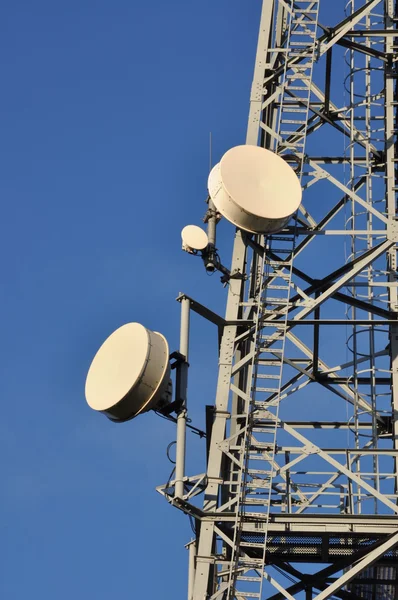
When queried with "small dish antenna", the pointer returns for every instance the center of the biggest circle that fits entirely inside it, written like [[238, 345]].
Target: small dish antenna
[[130, 374], [193, 239], [255, 189]]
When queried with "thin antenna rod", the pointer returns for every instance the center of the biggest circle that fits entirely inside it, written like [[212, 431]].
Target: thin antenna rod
[[210, 151]]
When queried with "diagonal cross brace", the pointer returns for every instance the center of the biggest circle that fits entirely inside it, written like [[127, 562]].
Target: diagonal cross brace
[[278, 586], [357, 268], [322, 171], [367, 561], [339, 467], [345, 26], [336, 464]]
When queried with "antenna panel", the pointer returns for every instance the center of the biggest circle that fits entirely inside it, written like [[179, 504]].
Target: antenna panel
[[193, 238], [255, 189], [129, 374]]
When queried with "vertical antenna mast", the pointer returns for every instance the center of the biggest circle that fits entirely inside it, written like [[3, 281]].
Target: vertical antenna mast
[[210, 151]]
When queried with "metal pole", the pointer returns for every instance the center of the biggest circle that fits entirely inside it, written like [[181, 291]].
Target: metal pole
[[211, 223], [183, 384], [191, 567]]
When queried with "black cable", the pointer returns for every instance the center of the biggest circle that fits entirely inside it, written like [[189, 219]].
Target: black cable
[[192, 524], [169, 418], [199, 432], [167, 452], [169, 479]]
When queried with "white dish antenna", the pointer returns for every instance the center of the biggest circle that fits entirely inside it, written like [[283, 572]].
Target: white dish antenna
[[255, 189], [130, 373], [193, 239]]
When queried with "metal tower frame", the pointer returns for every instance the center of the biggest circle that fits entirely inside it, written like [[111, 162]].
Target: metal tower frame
[[281, 490]]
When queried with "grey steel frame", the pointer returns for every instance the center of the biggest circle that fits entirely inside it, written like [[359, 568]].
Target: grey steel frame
[[342, 507]]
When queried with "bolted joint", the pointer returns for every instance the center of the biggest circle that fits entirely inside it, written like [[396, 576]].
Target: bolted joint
[[392, 230]]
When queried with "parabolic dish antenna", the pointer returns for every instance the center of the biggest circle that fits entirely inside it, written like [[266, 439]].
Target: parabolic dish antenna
[[129, 374], [255, 189], [193, 238]]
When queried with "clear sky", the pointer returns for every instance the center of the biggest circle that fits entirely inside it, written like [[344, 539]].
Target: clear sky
[[106, 110]]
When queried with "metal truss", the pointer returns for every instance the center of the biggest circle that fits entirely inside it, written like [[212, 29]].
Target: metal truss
[[315, 486]]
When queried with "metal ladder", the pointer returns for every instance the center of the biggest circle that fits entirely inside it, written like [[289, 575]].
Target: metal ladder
[[297, 78], [258, 440], [259, 432]]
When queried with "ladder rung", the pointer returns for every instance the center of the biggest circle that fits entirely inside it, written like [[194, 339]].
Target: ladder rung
[[262, 484], [261, 446], [275, 300], [297, 134], [300, 54], [306, 31], [262, 418], [281, 274], [251, 545], [260, 457], [291, 145], [265, 431], [282, 238], [256, 456], [303, 44], [258, 472], [265, 405], [266, 376], [293, 122], [299, 76], [271, 363], [252, 563], [302, 22], [293, 110], [283, 250], [278, 263], [297, 88], [276, 350], [268, 390], [303, 66]]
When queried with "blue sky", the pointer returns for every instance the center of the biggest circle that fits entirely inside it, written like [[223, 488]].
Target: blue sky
[[106, 113]]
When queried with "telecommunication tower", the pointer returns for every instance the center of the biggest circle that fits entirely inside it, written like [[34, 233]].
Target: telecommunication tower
[[299, 496]]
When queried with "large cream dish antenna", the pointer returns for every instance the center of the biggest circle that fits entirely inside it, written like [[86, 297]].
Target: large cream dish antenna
[[130, 374], [194, 238], [255, 189]]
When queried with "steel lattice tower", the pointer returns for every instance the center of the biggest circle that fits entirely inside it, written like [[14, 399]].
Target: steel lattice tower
[[320, 489]]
